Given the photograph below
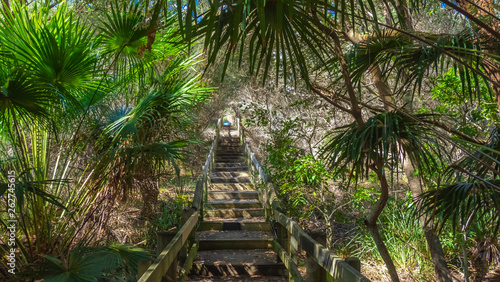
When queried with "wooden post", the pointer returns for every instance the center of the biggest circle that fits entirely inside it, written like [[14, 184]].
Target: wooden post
[[292, 249], [354, 262], [142, 267], [314, 272], [283, 237], [186, 213], [163, 239]]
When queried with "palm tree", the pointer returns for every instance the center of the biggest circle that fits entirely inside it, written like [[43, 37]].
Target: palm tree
[[61, 77], [468, 198]]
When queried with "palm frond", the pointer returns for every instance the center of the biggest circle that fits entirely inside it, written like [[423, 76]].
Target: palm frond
[[93, 263], [484, 161], [278, 34], [128, 32], [414, 62], [23, 98], [462, 203], [58, 51], [390, 136]]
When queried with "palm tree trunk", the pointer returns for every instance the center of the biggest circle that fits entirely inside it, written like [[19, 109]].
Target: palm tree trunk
[[371, 221], [440, 267]]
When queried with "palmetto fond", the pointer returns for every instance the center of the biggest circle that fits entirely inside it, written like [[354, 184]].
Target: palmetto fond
[[64, 82]]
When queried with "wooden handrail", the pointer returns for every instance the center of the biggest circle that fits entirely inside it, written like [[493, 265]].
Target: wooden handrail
[[162, 263], [204, 181], [332, 263], [169, 255], [323, 257]]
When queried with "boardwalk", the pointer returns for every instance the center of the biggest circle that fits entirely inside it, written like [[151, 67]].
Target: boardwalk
[[235, 239], [226, 237]]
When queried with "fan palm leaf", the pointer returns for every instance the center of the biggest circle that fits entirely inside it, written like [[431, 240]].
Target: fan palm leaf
[[91, 264], [127, 32], [57, 51], [23, 98]]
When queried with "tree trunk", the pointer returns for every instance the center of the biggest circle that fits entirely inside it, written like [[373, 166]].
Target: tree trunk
[[149, 193], [402, 7], [385, 93], [371, 221], [440, 267]]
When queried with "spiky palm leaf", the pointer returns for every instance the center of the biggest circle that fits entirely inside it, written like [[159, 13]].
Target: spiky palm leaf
[[58, 52], [484, 161], [278, 34], [470, 191], [413, 62], [461, 204], [391, 137]]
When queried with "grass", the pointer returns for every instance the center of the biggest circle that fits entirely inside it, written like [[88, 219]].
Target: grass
[[405, 241]]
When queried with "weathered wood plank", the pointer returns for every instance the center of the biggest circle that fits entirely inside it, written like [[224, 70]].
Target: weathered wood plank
[[198, 195], [325, 258], [289, 263], [186, 268], [162, 263]]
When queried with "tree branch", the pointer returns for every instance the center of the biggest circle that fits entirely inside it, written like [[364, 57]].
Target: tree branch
[[317, 90], [472, 18]]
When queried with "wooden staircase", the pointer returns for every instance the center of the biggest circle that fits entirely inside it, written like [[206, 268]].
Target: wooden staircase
[[235, 241]]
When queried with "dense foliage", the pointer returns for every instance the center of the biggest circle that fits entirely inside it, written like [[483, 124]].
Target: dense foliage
[[375, 113], [94, 109]]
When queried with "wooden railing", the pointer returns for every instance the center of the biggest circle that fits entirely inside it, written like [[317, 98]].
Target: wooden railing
[[321, 263], [181, 246]]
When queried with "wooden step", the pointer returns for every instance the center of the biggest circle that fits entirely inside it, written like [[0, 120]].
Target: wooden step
[[233, 204], [227, 143], [230, 263], [230, 213], [235, 244], [231, 186], [229, 147], [229, 164], [238, 240], [228, 174], [239, 278], [229, 140], [234, 225], [229, 159], [235, 194], [231, 180], [231, 168], [228, 155]]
